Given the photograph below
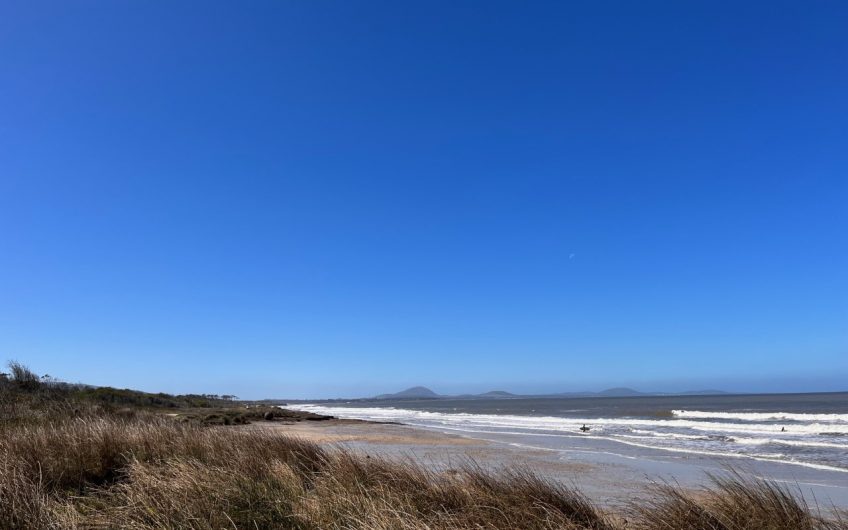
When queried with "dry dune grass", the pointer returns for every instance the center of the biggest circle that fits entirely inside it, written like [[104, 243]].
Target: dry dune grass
[[733, 501], [149, 472]]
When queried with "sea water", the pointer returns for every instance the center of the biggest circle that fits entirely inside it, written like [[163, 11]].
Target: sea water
[[809, 430]]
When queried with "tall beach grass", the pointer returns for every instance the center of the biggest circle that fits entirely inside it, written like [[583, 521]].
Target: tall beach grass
[[148, 471], [74, 457]]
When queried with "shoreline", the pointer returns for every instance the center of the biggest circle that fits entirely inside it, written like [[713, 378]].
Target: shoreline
[[609, 475]]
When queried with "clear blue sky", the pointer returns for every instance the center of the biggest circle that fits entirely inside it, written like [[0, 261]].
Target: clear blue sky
[[342, 198]]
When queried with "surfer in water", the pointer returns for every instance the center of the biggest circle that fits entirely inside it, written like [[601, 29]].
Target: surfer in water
[[584, 428]]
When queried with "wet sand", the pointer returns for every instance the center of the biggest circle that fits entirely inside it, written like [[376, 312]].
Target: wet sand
[[609, 477]]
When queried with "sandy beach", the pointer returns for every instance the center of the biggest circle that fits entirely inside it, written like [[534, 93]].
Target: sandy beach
[[445, 451], [608, 476]]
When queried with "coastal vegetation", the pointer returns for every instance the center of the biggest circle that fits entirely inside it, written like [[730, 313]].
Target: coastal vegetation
[[70, 458], [26, 397]]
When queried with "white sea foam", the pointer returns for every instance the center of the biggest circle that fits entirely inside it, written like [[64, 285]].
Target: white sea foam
[[779, 457], [795, 443], [553, 423], [677, 436], [762, 416]]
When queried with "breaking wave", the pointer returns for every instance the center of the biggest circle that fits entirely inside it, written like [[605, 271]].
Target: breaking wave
[[761, 416]]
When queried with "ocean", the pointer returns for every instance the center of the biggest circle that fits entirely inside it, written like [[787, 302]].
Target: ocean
[[808, 430]]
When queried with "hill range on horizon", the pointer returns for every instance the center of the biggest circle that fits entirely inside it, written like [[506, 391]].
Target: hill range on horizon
[[422, 392]]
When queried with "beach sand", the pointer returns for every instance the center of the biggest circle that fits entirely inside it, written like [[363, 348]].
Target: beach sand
[[611, 479], [601, 481]]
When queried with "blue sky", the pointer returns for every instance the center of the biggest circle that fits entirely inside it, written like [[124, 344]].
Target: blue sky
[[313, 199]]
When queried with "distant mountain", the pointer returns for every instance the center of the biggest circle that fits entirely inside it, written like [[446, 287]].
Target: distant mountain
[[620, 392], [496, 394], [629, 392], [420, 392], [416, 392]]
